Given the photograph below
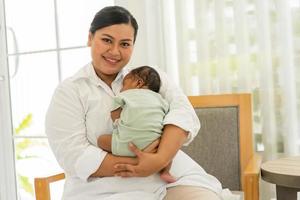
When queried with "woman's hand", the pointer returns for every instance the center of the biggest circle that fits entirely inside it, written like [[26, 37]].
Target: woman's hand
[[107, 169], [148, 163]]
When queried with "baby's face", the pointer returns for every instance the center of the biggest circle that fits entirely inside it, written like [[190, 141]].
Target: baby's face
[[129, 82]]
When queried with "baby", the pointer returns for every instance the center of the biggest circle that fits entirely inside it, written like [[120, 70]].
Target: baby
[[138, 113]]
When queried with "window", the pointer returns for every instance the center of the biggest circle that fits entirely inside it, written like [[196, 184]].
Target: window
[[46, 42]]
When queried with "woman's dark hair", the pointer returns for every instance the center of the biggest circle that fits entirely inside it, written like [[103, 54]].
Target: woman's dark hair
[[112, 15], [150, 77]]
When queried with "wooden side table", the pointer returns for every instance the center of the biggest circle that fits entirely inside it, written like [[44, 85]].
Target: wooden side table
[[285, 173]]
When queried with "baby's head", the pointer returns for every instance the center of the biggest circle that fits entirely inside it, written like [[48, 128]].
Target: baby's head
[[142, 77]]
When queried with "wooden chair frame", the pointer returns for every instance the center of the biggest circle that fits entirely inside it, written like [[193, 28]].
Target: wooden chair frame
[[42, 186], [250, 162]]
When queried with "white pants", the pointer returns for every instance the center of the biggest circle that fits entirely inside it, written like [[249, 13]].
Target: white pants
[[183, 192]]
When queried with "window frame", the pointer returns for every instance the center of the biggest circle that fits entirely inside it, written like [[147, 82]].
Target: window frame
[[8, 185]]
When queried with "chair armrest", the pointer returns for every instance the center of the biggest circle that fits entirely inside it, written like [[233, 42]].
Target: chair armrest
[[253, 166], [251, 178], [41, 185]]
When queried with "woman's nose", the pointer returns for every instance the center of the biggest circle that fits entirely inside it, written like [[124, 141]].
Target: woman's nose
[[114, 49]]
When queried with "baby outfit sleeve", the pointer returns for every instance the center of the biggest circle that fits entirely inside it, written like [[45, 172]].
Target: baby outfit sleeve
[[118, 101]]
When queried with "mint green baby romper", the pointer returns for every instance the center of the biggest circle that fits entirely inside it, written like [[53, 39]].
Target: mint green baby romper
[[141, 119]]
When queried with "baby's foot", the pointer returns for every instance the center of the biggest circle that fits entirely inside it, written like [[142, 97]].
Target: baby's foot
[[167, 177]]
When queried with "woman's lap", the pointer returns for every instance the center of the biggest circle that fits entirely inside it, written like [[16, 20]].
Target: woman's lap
[[181, 192]]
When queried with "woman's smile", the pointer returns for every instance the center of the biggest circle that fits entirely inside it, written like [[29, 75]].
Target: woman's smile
[[112, 61]]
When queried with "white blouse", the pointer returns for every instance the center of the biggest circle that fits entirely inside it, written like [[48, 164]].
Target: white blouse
[[80, 111]]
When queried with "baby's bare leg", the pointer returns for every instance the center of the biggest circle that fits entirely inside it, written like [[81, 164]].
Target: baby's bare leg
[[165, 174], [104, 142]]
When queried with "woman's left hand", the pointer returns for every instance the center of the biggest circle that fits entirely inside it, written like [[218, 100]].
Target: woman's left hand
[[148, 164]]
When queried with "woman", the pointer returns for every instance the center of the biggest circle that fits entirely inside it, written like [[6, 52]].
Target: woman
[[80, 112]]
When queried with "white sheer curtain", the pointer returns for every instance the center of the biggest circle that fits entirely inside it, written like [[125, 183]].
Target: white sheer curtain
[[242, 46], [228, 46]]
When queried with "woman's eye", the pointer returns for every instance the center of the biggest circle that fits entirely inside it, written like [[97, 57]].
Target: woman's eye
[[125, 44], [106, 40]]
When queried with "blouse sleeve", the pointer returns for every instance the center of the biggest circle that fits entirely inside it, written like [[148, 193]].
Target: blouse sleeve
[[181, 113], [66, 131]]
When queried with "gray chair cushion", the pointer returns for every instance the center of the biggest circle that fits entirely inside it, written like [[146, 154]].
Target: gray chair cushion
[[216, 148]]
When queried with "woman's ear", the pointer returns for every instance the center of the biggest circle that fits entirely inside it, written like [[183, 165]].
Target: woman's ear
[[90, 38]]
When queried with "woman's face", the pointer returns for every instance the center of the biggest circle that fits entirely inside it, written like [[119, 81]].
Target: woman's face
[[111, 49]]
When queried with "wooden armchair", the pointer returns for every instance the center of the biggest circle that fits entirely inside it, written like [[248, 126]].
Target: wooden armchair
[[223, 147], [42, 186]]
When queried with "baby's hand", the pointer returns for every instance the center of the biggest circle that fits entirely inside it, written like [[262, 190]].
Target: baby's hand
[[115, 114]]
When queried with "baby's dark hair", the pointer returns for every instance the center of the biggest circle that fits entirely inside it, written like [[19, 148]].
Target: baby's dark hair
[[150, 77]]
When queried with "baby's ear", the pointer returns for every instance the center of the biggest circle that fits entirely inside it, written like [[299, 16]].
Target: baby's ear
[[140, 83]]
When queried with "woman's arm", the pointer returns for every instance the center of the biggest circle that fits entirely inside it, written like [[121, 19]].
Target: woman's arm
[[104, 142], [171, 141]]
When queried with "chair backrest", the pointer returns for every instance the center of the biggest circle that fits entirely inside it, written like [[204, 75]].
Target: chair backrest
[[223, 145]]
